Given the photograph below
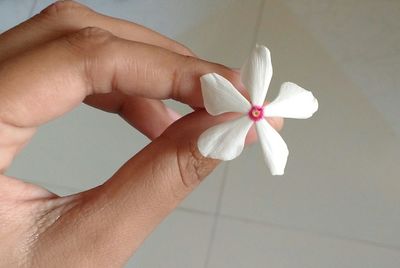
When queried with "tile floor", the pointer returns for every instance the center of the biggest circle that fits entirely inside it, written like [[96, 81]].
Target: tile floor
[[337, 207], [364, 38]]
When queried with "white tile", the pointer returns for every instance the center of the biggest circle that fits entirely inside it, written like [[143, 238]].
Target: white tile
[[363, 37], [227, 34], [380, 81], [342, 172], [353, 29], [243, 244], [13, 13], [181, 241]]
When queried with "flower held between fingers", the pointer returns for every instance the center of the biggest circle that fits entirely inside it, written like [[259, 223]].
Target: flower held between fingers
[[226, 141]]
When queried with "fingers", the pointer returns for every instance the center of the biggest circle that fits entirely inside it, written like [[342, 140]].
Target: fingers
[[63, 72], [65, 17]]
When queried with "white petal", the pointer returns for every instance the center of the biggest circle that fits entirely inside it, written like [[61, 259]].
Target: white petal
[[256, 74], [225, 141], [220, 96], [274, 147], [292, 102]]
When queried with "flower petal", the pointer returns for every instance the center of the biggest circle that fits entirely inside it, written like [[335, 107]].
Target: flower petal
[[220, 96], [225, 141], [256, 74], [292, 102], [274, 147]]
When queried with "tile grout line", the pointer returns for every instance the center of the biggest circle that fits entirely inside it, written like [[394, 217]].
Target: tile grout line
[[195, 211], [216, 216], [308, 232], [295, 229]]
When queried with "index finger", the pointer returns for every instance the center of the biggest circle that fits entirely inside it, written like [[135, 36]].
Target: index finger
[[44, 83]]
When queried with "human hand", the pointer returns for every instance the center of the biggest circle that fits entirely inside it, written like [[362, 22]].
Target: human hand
[[49, 65]]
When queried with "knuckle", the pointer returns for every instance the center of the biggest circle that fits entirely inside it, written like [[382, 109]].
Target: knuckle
[[65, 9], [89, 40], [183, 75], [193, 167], [92, 47]]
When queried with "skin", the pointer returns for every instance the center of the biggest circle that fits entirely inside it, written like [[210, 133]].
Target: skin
[[49, 65]]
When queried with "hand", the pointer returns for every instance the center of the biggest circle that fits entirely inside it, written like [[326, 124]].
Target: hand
[[49, 65]]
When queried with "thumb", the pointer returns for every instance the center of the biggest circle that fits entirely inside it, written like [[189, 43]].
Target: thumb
[[152, 183], [111, 221]]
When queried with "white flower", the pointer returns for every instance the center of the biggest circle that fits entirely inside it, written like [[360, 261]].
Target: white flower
[[226, 141]]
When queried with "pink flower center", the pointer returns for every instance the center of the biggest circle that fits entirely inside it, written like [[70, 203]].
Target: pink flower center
[[256, 113]]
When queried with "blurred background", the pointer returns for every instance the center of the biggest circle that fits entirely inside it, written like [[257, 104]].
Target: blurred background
[[338, 204]]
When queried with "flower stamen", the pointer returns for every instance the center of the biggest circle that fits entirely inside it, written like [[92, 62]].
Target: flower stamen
[[256, 113]]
